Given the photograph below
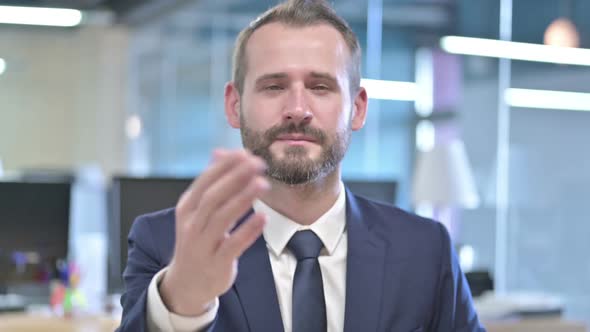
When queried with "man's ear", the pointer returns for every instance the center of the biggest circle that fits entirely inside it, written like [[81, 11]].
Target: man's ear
[[232, 105], [359, 109]]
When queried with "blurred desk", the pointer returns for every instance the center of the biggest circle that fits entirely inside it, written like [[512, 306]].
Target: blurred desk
[[536, 325], [21, 322]]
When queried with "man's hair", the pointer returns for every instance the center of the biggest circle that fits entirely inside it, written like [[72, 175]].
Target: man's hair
[[299, 13]]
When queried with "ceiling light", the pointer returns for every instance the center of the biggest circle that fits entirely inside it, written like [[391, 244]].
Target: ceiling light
[[390, 90], [547, 99], [516, 51], [40, 16]]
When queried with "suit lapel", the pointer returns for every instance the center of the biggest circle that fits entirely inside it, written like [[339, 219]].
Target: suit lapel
[[364, 272], [256, 289]]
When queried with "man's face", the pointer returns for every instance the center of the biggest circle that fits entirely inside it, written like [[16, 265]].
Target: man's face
[[296, 111]]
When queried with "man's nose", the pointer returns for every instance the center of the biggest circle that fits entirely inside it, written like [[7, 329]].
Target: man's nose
[[297, 108]]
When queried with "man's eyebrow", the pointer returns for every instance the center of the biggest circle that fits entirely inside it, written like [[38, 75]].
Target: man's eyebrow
[[270, 77], [280, 75], [325, 76]]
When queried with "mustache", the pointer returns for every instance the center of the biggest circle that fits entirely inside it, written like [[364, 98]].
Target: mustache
[[271, 134]]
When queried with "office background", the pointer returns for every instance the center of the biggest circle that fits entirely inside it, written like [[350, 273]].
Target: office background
[[137, 90]]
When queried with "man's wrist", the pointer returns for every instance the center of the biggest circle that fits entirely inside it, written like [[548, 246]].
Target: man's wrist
[[178, 301]]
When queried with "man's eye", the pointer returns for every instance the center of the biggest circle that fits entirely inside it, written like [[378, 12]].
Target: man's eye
[[320, 87], [273, 87]]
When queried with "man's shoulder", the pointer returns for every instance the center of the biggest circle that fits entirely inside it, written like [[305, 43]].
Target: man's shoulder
[[392, 222], [157, 221], [407, 236], [156, 230]]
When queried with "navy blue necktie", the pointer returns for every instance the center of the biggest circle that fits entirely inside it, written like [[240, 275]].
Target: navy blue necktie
[[309, 305]]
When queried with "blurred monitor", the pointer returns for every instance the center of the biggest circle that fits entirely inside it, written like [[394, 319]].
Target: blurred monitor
[[378, 190], [34, 228], [46, 175], [131, 197], [479, 282]]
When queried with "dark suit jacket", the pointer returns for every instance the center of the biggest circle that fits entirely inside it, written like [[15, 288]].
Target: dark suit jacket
[[402, 275]]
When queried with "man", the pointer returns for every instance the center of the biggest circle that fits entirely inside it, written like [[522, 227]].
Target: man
[[268, 239]]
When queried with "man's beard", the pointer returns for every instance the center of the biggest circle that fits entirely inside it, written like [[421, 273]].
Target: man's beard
[[296, 168]]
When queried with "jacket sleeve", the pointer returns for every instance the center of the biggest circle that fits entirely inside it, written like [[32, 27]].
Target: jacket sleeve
[[144, 261], [142, 264], [454, 305]]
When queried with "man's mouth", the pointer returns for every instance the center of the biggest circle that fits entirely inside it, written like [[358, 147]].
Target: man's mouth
[[296, 138]]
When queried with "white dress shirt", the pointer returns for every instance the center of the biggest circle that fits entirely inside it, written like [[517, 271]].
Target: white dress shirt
[[330, 228]]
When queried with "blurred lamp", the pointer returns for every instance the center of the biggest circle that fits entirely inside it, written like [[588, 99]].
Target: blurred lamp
[[133, 127], [2, 66], [563, 33], [444, 179]]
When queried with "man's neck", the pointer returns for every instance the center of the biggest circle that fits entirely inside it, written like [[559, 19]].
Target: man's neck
[[306, 203]]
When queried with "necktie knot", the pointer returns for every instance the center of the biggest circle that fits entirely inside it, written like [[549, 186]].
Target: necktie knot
[[305, 244]]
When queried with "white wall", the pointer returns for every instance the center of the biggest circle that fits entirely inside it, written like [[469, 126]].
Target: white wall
[[62, 97]]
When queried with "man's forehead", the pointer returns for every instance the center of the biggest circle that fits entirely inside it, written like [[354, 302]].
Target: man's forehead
[[318, 44], [273, 34]]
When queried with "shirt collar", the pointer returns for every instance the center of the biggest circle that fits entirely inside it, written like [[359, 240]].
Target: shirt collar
[[329, 227]]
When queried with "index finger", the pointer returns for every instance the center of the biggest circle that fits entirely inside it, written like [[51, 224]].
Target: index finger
[[223, 161]]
